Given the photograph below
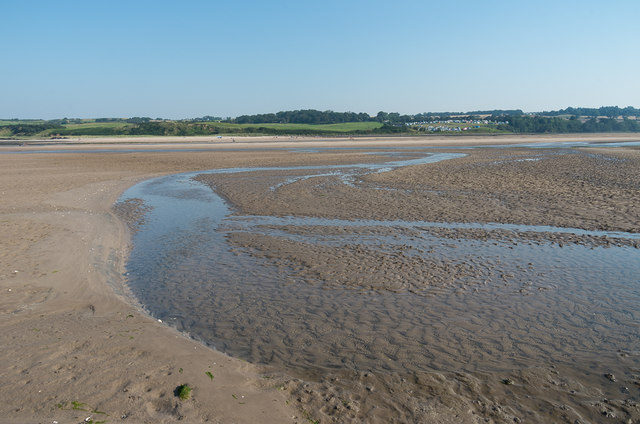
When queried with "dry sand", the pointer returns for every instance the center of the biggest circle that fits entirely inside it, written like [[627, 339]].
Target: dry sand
[[72, 342], [75, 345]]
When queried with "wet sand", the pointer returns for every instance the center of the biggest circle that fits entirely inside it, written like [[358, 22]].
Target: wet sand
[[593, 189], [72, 333]]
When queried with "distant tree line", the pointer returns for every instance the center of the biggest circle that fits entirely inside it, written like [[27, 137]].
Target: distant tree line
[[207, 118], [312, 116], [307, 116], [608, 111], [138, 119], [602, 119], [542, 124]]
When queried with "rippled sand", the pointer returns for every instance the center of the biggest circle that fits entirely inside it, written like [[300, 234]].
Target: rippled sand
[[585, 188], [388, 324]]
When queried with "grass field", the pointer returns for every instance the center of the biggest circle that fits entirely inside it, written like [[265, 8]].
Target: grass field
[[4, 123], [89, 128], [27, 129]]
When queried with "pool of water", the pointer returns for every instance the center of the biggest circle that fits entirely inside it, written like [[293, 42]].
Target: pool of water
[[468, 304]]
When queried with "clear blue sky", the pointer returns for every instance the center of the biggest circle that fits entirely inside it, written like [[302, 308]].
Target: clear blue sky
[[181, 59]]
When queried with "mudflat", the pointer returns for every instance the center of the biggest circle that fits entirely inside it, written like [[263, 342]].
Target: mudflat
[[76, 344]]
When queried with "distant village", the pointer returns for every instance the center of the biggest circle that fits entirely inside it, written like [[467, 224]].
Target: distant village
[[453, 124]]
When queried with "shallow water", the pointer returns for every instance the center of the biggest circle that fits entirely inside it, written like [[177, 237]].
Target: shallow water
[[504, 305]]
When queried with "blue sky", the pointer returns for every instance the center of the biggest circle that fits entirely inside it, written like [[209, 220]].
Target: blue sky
[[192, 58]]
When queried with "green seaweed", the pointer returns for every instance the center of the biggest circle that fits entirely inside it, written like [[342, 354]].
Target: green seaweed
[[183, 391]]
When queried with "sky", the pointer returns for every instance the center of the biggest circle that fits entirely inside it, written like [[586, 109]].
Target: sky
[[191, 58]]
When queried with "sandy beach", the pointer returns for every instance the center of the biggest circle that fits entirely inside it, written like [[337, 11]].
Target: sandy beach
[[76, 345]]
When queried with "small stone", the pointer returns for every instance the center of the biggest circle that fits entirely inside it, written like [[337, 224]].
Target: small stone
[[507, 381], [610, 377]]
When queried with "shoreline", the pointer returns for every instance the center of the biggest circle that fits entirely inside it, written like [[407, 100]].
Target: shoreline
[[70, 333], [147, 142]]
